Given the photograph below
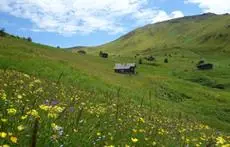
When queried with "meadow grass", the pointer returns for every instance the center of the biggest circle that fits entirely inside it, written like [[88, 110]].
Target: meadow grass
[[68, 116], [77, 101]]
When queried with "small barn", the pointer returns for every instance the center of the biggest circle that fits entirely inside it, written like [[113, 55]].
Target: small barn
[[205, 66], [128, 68]]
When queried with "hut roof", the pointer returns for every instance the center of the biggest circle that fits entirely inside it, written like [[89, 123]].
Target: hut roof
[[124, 66]]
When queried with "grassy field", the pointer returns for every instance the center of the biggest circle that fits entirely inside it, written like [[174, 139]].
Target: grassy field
[[79, 100], [203, 34]]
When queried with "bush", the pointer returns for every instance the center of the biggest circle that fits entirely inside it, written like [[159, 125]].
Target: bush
[[82, 52], [140, 61], [166, 60], [2, 32], [29, 39]]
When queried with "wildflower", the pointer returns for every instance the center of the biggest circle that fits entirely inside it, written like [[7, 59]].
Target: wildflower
[[58, 109], [98, 133], [33, 112], [154, 143], [24, 117], [37, 81], [45, 107], [19, 96], [57, 128], [127, 145], [27, 76], [52, 115], [134, 140], [142, 120], [3, 134], [11, 111], [14, 139], [134, 131], [187, 140], [54, 126], [220, 140], [141, 130], [109, 146], [4, 120], [4, 145], [3, 96], [20, 128]]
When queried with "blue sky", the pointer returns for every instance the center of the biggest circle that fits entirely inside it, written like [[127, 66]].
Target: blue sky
[[68, 23]]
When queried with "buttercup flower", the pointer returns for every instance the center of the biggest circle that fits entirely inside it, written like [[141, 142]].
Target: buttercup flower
[[134, 140]]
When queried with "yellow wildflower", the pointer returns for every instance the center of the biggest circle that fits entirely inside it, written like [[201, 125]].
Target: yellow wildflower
[[3, 134], [19, 96], [11, 111], [134, 131], [141, 130], [109, 146], [134, 140], [45, 107], [58, 109], [220, 140], [24, 117], [187, 140], [142, 120], [3, 96], [127, 145], [20, 128], [4, 120], [25, 75], [98, 133], [5, 145], [33, 112], [154, 143], [14, 139], [52, 115], [54, 126], [37, 81]]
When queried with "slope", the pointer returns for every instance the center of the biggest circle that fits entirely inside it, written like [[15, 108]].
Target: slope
[[200, 34]]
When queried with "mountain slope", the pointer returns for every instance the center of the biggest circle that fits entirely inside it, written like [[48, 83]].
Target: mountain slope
[[199, 34]]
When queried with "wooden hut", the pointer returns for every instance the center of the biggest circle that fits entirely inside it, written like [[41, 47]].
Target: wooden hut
[[128, 68]]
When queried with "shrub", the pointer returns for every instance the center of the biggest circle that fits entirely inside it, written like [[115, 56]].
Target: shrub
[[2, 32], [166, 60], [29, 39], [140, 61], [82, 52]]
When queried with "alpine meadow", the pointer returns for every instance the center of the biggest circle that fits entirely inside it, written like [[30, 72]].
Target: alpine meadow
[[177, 93]]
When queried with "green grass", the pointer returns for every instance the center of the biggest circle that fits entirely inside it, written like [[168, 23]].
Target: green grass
[[160, 93], [192, 35]]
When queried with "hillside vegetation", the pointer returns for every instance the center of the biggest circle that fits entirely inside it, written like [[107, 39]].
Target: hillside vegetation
[[57, 98], [202, 34]]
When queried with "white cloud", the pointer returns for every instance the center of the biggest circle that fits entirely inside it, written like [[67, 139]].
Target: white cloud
[[84, 16], [214, 6]]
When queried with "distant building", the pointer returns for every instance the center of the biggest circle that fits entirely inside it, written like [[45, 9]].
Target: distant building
[[128, 68], [205, 66]]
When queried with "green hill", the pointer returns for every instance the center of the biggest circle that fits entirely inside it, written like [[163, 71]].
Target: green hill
[[200, 34], [77, 99]]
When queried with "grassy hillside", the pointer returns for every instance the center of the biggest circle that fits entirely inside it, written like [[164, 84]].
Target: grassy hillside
[[202, 34], [79, 100]]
